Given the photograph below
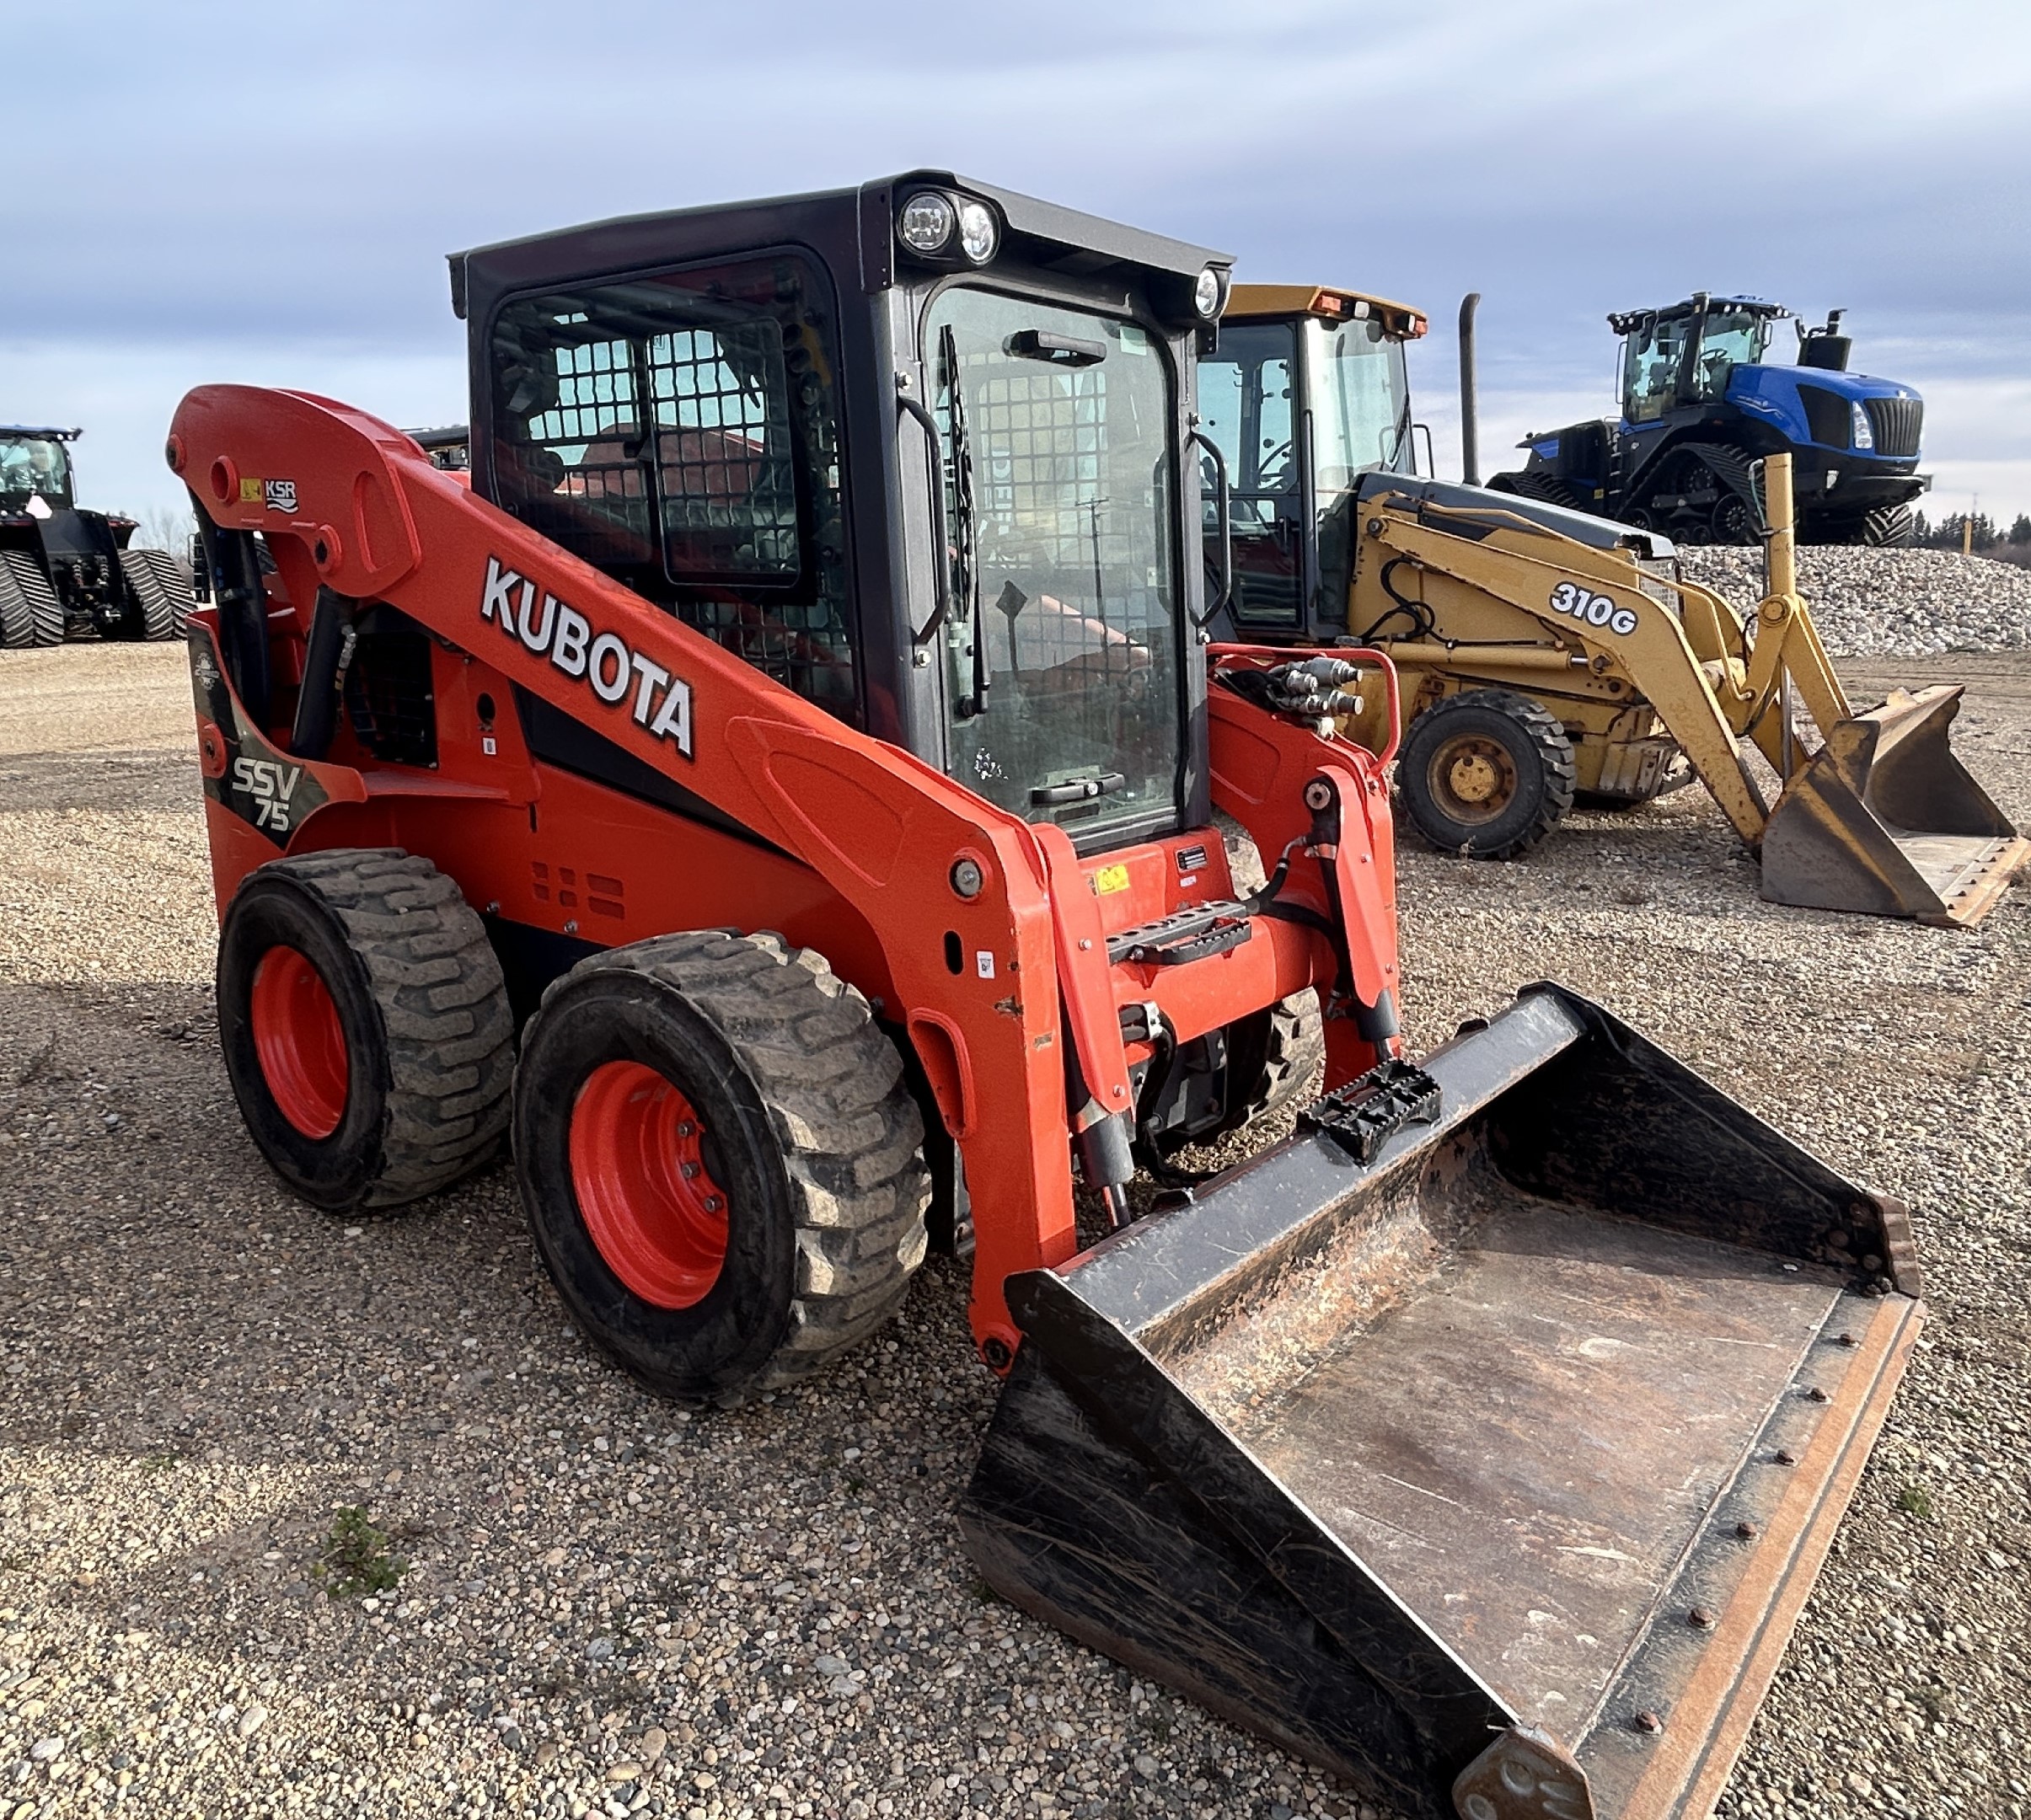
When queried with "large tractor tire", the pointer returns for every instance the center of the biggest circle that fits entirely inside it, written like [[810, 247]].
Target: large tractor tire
[[722, 1161], [1487, 773], [365, 1026], [158, 596], [30, 614], [1889, 527]]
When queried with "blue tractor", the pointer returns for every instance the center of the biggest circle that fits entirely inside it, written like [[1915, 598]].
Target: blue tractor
[[1700, 408]]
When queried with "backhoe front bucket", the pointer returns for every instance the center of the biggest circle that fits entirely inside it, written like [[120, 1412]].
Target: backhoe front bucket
[[1885, 820], [1491, 1473]]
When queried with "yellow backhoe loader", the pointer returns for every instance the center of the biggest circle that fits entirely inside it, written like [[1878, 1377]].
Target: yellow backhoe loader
[[1549, 655]]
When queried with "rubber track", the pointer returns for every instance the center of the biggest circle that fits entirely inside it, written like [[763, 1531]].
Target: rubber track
[[1554, 749], [450, 1034], [159, 586], [850, 1134], [1547, 488], [30, 614], [1730, 470]]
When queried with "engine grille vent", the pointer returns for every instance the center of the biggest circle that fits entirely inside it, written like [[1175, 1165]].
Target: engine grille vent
[[1894, 423]]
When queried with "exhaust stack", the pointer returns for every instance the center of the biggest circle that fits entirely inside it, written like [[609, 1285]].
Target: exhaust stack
[[1470, 401]]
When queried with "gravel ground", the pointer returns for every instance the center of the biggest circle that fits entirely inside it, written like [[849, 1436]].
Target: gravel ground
[[1872, 602], [606, 1608]]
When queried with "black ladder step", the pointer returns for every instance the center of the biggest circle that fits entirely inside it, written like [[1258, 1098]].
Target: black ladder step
[[1184, 935]]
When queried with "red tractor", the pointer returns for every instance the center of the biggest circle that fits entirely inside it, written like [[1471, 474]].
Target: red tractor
[[781, 786]]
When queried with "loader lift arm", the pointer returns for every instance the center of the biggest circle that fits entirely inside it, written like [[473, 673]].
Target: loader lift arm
[[1877, 817]]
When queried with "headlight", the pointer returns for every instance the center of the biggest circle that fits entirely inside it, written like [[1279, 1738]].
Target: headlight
[[926, 222], [1206, 293], [1861, 435], [978, 233]]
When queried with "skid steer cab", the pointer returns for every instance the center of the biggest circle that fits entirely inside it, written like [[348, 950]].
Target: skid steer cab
[[785, 782]]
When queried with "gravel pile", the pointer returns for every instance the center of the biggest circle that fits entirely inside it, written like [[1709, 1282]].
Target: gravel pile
[[305, 1516], [1874, 603]]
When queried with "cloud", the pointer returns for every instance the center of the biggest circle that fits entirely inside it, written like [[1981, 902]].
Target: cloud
[[276, 188]]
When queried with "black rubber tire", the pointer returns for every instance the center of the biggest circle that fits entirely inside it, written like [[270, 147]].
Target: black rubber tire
[[810, 1128], [1888, 527], [430, 1039], [1539, 753], [30, 613], [1294, 1048], [158, 597]]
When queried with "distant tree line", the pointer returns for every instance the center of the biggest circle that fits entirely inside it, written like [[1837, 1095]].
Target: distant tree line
[[1986, 535]]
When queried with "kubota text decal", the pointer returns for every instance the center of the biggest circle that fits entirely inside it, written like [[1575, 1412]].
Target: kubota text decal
[[601, 660]]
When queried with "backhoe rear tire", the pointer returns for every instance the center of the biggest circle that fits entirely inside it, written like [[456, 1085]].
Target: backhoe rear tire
[[365, 1026], [1486, 774], [30, 613], [722, 1161]]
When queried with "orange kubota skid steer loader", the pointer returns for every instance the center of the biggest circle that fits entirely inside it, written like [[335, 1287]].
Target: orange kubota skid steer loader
[[779, 782]]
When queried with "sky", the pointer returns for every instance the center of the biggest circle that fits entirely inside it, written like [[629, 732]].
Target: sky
[[265, 194]]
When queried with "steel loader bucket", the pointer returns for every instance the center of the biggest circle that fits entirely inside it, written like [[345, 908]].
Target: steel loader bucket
[[1491, 1474], [1887, 820]]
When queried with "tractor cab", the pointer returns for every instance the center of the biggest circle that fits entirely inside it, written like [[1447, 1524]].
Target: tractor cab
[[721, 423], [1684, 357], [34, 467], [1308, 392]]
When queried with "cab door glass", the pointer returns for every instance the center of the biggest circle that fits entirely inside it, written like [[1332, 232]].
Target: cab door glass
[[1247, 406], [1360, 396], [1063, 670], [1651, 369]]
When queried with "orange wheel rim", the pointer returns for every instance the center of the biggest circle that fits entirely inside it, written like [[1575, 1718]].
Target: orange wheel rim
[[638, 1168], [299, 1041]]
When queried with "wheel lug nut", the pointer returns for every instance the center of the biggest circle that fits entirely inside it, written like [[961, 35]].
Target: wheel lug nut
[[713, 1203], [690, 1171]]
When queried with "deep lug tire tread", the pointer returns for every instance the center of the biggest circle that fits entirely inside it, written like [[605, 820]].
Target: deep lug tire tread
[[848, 1134], [1297, 1048], [30, 613], [1889, 527], [1544, 736], [448, 1035]]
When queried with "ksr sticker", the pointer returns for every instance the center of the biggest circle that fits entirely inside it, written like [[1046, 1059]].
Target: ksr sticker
[[1577, 602], [277, 496]]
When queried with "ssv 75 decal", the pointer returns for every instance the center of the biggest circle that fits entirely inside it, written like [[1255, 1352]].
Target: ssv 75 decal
[[1593, 610], [601, 660]]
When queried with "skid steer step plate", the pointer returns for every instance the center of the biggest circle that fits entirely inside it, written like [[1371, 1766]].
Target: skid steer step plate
[[1491, 1473], [1886, 820]]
